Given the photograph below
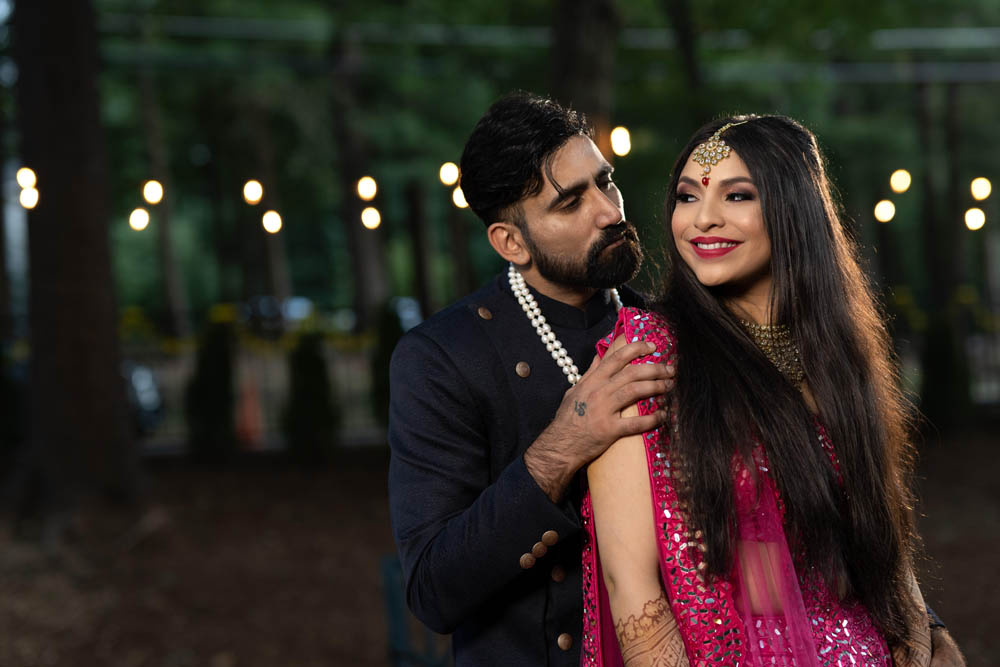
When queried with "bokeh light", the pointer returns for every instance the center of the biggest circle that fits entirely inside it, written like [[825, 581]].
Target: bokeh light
[[458, 198], [981, 188], [253, 192], [271, 222], [900, 180], [885, 211], [448, 173], [26, 177], [367, 187], [152, 192], [29, 198], [371, 218], [975, 218], [621, 141], [139, 219]]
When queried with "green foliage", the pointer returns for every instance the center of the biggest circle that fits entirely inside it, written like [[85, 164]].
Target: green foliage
[[209, 397], [311, 417]]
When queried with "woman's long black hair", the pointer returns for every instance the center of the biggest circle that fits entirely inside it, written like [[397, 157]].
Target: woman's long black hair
[[857, 531]]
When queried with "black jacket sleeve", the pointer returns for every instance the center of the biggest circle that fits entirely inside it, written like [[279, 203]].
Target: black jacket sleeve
[[460, 528]]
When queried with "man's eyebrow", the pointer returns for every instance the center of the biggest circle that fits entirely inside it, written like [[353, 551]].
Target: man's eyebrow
[[576, 188]]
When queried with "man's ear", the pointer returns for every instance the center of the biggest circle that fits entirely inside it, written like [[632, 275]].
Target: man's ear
[[506, 239]]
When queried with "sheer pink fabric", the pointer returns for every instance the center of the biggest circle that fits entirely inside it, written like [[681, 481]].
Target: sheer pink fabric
[[765, 613]]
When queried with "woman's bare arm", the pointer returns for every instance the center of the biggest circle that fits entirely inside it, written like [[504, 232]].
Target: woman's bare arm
[[619, 487]]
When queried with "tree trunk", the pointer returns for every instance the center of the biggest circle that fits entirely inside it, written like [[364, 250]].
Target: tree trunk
[[693, 100], [278, 278], [944, 397], [6, 310], [420, 243], [365, 246], [78, 419], [584, 43], [175, 316], [463, 277]]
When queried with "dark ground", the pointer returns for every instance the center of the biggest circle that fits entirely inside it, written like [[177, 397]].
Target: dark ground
[[265, 565]]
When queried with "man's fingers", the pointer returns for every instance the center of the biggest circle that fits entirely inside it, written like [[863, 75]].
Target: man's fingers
[[623, 356], [641, 424], [633, 392], [637, 373]]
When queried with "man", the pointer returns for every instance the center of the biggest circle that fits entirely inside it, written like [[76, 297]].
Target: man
[[490, 415]]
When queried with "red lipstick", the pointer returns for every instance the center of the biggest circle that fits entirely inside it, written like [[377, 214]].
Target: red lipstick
[[709, 247]]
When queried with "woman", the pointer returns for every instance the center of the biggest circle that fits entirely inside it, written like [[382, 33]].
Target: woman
[[770, 522]]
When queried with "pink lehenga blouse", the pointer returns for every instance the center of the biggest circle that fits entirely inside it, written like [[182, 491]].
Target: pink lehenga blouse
[[766, 612]]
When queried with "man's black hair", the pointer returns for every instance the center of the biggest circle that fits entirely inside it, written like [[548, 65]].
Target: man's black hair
[[514, 140]]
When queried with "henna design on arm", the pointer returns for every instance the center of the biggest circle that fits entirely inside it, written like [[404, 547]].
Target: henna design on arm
[[653, 639]]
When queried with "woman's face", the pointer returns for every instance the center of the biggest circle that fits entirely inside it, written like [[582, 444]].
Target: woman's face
[[719, 229]]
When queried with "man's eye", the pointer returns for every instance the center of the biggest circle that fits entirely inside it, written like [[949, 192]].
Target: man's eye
[[605, 183], [571, 204]]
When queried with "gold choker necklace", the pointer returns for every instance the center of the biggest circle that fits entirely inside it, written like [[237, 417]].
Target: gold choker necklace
[[775, 341]]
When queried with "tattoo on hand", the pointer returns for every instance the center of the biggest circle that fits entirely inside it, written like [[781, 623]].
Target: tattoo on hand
[[580, 407]]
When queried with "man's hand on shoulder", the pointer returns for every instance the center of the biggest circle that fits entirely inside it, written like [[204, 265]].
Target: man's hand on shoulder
[[589, 419]]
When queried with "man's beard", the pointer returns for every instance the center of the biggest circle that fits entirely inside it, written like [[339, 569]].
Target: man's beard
[[598, 269]]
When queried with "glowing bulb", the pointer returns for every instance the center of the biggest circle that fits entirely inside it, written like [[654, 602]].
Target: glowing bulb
[[448, 173], [975, 218], [29, 198], [900, 180], [26, 178], [371, 218], [253, 192], [271, 222], [152, 192], [139, 219], [458, 198], [981, 188], [621, 141], [367, 187], [885, 211]]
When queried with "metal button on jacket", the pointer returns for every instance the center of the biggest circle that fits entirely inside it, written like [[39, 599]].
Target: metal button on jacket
[[485, 313], [523, 369], [550, 537], [565, 641], [558, 574], [539, 550], [527, 561]]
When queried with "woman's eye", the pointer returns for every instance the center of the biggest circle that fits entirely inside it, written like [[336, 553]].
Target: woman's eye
[[740, 196], [684, 197]]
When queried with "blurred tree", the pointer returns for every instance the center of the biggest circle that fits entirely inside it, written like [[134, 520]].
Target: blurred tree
[[6, 315], [584, 44], [78, 426], [416, 219], [175, 310], [367, 253]]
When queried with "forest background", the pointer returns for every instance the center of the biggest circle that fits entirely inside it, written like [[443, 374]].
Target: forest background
[[203, 369]]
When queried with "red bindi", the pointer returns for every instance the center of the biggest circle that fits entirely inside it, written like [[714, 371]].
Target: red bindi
[[704, 181]]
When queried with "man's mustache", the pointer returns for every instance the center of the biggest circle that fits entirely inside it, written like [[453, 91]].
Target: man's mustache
[[611, 235]]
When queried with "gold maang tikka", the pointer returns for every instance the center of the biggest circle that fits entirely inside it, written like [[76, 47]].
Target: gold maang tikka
[[712, 151]]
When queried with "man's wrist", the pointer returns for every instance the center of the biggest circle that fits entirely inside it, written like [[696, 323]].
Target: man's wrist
[[550, 471]]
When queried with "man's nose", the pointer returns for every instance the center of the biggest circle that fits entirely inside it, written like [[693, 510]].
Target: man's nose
[[612, 210]]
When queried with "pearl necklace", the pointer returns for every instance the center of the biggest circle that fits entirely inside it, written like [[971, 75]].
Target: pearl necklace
[[542, 328]]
